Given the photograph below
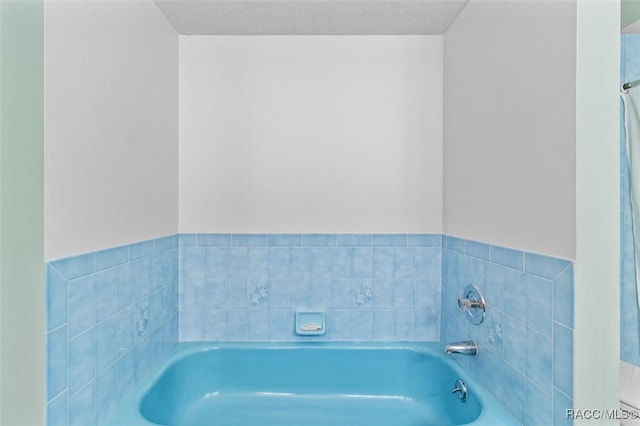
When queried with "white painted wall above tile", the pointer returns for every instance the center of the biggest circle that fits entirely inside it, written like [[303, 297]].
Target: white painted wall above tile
[[509, 125], [311, 134], [111, 125]]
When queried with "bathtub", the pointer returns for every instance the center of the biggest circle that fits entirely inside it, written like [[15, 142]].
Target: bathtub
[[287, 384]]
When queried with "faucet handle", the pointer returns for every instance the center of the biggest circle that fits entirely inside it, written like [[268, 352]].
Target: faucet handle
[[473, 304], [461, 389], [465, 304]]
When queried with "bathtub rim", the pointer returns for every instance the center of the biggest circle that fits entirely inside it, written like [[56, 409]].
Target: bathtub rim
[[493, 412]]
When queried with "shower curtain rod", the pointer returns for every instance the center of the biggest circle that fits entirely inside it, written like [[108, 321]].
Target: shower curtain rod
[[627, 86]]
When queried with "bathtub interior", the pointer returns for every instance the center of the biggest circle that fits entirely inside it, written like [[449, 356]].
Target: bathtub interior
[[310, 384], [320, 384]]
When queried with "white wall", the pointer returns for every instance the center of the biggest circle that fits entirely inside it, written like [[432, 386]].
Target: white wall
[[597, 272], [111, 125], [509, 125], [310, 134]]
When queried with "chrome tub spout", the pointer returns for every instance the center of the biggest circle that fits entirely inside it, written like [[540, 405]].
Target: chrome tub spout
[[466, 347]]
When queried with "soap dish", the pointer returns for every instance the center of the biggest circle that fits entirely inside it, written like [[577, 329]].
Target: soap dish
[[310, 322]]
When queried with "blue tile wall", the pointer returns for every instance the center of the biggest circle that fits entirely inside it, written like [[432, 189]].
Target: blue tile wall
[[526, 339], [629, 313], [111, 315], [373, 287]]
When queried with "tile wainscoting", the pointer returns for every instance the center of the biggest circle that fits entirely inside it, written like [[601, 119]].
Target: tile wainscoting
[[526, 339], [247, 287], [112, 314]]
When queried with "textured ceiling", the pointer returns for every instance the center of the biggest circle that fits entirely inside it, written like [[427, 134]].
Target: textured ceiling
[[279, 17]]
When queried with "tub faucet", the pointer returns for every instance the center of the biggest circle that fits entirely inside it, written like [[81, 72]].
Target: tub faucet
[[466, 347]]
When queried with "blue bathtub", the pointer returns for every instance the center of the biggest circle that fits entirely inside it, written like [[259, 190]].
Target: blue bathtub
[[287, 384]]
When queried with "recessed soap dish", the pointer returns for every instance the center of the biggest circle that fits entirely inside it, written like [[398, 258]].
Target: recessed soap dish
[[310, 322]]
